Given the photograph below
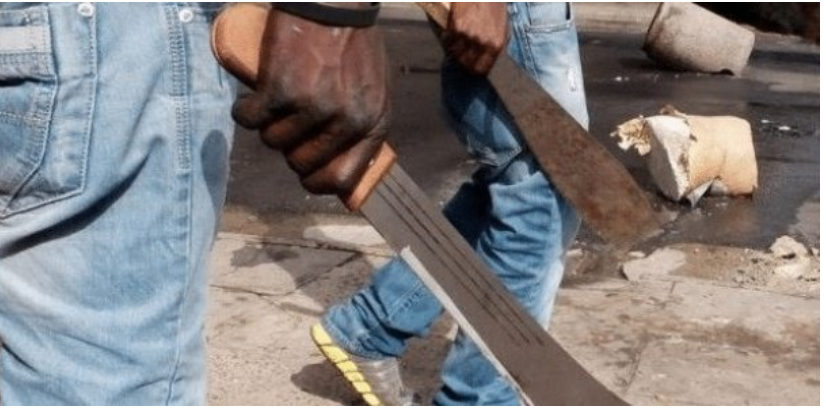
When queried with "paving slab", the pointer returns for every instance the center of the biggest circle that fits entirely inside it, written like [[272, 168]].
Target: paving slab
[[694, 343], [666, 339]]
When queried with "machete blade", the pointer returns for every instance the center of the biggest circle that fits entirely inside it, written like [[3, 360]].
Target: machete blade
[[594, 181]]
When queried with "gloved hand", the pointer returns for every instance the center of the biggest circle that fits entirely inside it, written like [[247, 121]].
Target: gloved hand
[[321, 98], [476, 34]]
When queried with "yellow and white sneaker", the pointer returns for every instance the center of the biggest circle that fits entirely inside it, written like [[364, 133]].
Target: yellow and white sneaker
[[377, 381]]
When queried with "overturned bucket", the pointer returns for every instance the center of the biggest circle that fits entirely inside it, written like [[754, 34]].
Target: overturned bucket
[[686, 36]]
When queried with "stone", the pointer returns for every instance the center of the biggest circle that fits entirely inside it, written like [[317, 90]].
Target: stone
[[797, 269], [785, 247], [574, 253], [660, 263]]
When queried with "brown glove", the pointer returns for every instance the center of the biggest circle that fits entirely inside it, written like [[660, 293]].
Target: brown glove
[[321, 98], [476, 34]]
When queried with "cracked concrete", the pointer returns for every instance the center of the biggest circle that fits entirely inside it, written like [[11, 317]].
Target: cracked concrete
[[680, 337]]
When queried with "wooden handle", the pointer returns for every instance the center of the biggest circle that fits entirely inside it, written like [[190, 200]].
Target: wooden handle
[[437, 11], [236, 42], [236, 39]]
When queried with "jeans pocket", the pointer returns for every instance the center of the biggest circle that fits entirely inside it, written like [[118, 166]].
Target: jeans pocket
[[548, 17], [28, 95], [549, 44]]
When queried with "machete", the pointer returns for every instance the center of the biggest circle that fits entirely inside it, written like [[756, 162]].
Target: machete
[[521, 350], [594, 181]]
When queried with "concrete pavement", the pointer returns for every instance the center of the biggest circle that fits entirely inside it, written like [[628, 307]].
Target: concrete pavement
[[698, 325]]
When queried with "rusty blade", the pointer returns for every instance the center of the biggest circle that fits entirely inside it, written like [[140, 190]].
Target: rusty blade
[[594, 181], [539, 368]]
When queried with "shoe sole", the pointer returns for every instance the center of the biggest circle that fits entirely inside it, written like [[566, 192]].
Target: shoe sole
[[341, 360]]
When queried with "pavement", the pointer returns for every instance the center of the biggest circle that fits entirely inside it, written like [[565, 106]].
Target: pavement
[[680, 322]]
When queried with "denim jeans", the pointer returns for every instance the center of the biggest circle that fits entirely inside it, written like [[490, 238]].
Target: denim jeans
[[513, 217], [115, 133]]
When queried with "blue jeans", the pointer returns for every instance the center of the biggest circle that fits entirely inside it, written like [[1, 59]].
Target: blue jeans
[[513, 217], [114, 150]]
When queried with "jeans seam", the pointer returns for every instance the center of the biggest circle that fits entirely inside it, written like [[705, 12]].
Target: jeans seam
[[177, 50], [27, 120], [355, 345], [407, 301]]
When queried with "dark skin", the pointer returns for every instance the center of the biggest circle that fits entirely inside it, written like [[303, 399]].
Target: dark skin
[[322, 93], [476, 34], [321, 98]]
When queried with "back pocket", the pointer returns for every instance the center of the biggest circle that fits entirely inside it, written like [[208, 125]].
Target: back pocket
[[28, 87]]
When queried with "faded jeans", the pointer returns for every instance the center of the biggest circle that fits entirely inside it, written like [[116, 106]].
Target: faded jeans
[[510, 214], [115, 133]]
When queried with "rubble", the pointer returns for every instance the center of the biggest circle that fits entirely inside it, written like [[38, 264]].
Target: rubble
[[785, 247], [689, 155], [798, 269], [660, 263], [574, 253]]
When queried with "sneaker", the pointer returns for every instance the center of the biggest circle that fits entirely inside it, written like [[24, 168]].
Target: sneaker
[[378, 381]]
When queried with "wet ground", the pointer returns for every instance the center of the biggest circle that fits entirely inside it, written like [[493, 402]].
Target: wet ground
[[778, 94]]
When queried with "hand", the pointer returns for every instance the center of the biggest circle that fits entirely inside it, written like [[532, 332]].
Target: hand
[[476, 34], [321, 98]]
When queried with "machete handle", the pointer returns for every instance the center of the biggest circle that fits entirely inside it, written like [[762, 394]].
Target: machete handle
[[438, 12], [236, 39]]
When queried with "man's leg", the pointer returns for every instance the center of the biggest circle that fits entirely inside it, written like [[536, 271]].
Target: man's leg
[[103, 241], [373, 326], [530, 224], [509, 213]]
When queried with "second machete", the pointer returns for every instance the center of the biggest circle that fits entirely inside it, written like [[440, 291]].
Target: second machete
[[597, 184]]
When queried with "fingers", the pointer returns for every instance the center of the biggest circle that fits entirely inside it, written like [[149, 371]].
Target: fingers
[[319, 92], [286, 132], [344, 172], [476, 34], [251, 111], [475, 57], [314, 153]]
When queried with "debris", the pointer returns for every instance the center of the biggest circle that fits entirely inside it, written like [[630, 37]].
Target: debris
[[691, 155], [636, 254], [661, 262], [784, 128], [574, 253], [688, 37], [811, 275], [815, 252], [785, 247], [798, 269]]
